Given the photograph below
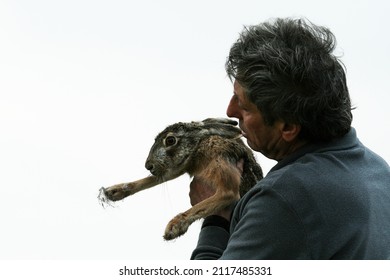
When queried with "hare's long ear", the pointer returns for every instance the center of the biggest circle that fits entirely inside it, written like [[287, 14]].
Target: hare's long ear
[[220, 120], [222, 127]]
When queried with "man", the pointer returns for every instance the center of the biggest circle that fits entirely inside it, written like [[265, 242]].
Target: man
[[328, 197]]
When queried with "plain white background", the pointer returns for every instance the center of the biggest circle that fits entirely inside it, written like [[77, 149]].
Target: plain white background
[[85, 86]]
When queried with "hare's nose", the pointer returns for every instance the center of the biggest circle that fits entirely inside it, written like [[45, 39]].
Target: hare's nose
[[149, 166]]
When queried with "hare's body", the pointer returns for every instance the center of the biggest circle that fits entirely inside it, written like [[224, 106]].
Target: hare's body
[[209, 150]]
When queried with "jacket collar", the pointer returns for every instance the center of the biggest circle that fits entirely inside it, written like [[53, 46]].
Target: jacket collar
[[347, 141]]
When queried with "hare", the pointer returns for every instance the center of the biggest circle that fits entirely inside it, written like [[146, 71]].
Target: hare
[[209, 149]]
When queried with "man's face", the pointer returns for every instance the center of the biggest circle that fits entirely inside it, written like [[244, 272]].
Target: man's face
[[260, 137]]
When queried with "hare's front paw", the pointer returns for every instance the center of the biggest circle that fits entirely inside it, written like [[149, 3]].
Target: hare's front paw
[[176, 227], [117, 192]]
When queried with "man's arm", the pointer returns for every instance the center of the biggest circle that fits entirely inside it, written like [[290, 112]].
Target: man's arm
[[264, 226], [213, 239]]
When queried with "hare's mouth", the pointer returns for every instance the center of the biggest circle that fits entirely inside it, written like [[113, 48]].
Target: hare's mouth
[[156, 172], [167, 175], [160, 171]]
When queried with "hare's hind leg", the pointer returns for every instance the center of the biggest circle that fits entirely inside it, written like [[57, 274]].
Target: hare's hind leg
[[225, 178]]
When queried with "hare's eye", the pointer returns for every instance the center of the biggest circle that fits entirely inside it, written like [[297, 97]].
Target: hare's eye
[[170, 141]]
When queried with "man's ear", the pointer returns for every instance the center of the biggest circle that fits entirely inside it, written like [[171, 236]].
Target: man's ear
[[290, 132]]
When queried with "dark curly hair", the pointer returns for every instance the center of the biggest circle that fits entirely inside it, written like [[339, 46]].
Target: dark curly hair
[[287, 69]]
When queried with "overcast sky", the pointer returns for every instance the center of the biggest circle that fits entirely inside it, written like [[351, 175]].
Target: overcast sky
[[85, 86]]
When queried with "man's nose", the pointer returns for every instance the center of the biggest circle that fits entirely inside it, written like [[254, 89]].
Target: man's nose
[[232, 109]]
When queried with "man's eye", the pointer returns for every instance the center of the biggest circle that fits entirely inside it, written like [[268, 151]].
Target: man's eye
[[170, 141], [239, 103], [242, 106]]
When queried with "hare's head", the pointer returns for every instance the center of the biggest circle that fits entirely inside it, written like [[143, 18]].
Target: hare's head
[[173, 147]]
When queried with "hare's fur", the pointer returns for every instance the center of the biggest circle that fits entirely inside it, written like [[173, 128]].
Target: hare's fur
[[209, 150]]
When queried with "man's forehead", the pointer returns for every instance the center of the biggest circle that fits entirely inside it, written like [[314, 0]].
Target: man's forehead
[[239, 92]]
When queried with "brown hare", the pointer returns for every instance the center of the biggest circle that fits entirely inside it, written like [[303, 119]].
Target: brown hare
[[210, 150]]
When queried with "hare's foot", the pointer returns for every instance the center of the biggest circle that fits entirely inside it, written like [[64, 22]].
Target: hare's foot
[[177, 227], [117, 192]]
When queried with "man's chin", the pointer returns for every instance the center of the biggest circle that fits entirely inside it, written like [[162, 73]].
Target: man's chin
[[249, 143]]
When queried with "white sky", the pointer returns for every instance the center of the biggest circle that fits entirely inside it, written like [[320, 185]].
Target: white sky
[[85, 86]]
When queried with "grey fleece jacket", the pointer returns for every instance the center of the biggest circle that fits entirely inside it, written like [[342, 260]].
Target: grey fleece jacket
[[326, 201]]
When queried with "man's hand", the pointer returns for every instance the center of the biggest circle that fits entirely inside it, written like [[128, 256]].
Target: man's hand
[[201, 190]]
